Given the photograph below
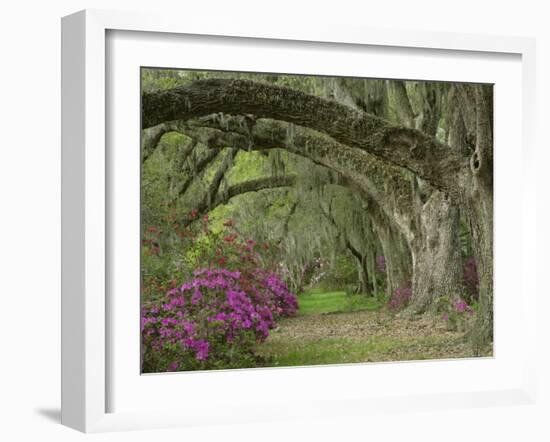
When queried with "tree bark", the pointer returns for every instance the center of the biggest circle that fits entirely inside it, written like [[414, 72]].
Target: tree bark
[[473, 134], [437, 262], [479, 204], [403, 106]]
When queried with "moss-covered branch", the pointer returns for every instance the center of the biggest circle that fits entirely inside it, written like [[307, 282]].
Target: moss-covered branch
[[373, 179], [255, 185], [400, 146]]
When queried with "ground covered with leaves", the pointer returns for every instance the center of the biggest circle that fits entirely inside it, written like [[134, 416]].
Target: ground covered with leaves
[[334, 328]]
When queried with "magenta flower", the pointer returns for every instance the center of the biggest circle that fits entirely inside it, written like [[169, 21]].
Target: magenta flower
[[460, 306], [197, 296], [201, 348], [173, 366], [188, 327]]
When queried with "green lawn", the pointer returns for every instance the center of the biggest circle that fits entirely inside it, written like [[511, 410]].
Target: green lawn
[[349, 350], [316, 301]]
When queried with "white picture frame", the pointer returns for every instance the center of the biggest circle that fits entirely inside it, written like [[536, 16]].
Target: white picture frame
[[85, 202]]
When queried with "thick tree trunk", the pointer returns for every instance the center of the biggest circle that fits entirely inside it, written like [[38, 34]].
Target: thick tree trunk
[[437, 262], [479, 204], [481, 221]]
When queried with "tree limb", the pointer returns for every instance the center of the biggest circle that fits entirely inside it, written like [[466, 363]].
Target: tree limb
[[404, 147], [255, 185], [150, 138], [202, 163], [373, 179]]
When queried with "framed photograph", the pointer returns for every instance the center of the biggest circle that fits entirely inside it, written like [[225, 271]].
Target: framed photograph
[[251, 212]]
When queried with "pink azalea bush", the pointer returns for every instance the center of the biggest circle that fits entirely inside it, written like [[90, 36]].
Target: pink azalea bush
[[217, 316], [213, 321]]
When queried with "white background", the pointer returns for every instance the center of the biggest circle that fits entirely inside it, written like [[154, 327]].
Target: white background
[[29, 182]]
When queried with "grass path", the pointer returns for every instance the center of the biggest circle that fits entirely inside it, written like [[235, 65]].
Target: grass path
[[332, 328]]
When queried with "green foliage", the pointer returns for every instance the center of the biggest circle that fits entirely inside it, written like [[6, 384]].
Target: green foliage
[[342, 273], [229, 300]]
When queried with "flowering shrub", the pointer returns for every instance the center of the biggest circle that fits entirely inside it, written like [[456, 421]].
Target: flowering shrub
[[213, 321], [460, 306], [172, 253], [225, 307], [400, 297], [285, 303], [456, 313]]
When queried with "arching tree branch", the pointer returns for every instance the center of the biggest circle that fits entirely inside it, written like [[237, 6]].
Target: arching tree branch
[[150, 139], [202, 163], [374, 179], [255, 185], [404, 147]]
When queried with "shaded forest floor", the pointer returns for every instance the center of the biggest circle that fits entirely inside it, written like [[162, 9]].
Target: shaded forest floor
[[334, 328]]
